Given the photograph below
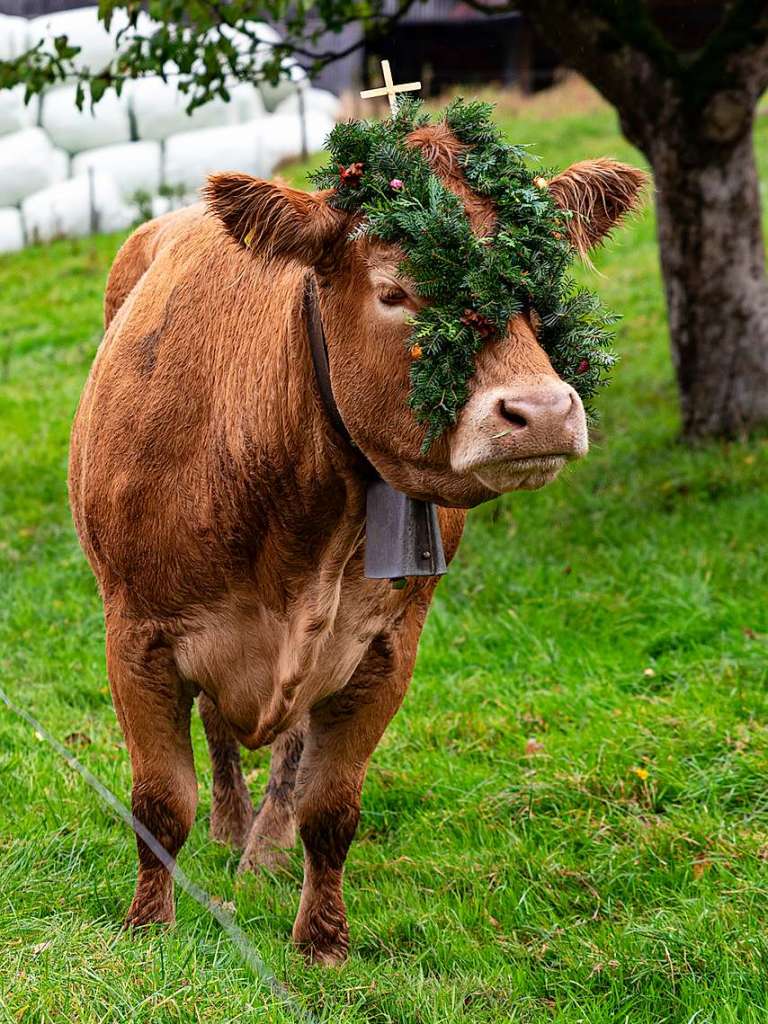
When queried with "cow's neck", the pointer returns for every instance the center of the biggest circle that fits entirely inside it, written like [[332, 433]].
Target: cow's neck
[[302, 488]]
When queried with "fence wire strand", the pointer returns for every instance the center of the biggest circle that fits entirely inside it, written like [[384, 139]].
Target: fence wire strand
[[239, 939]]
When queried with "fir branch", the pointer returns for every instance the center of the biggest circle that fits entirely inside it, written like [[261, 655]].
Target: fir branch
[[474, 287]]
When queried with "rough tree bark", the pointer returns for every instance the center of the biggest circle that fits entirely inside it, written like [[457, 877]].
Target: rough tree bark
[[713, 261], [692, 115]]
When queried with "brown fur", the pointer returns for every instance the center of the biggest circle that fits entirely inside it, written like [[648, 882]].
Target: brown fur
[[442, 151], [231, 808], [598, 193], [224, 519], [275, 220]]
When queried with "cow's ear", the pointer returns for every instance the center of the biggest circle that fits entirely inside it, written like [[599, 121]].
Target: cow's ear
[[598, 193], [274, 219]]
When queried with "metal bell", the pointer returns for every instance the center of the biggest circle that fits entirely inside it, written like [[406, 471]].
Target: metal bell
[[402, 536]]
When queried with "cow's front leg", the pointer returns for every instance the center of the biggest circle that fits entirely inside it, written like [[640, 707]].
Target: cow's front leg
[[342, 734], [274, 827], [153, 706], [231, 807]]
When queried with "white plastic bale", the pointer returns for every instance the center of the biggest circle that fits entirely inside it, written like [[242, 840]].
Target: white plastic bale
[[245, 102], [273, 95], [11, 230], [14, 114], [134, 166], [281, 135], [164, 204], [61, 165], [14, 36], [265, 35], [256, 47], [191, 156], [255, 44], [82, 27], [27, 163], [315, 100], [158, 109], [76, 130], [74, 208]]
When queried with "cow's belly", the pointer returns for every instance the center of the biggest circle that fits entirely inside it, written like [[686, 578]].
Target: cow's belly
[[264, 670]]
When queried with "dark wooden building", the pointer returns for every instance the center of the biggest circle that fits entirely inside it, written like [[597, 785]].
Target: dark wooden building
[[444, 43]]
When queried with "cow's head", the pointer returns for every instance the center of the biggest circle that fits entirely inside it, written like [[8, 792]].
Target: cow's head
[[522, 423]]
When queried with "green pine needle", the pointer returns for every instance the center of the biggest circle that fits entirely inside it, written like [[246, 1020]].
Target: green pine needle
[[524, 267]]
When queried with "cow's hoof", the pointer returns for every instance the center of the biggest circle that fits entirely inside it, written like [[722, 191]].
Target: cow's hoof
[[324, 957], [323, 938], [150, 911], [273, 834], [231, 820], [263, 852]]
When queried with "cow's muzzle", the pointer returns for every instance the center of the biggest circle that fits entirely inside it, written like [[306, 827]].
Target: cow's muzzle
[[520, 437]]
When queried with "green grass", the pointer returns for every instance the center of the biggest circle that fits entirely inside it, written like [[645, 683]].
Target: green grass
[[619, 618]]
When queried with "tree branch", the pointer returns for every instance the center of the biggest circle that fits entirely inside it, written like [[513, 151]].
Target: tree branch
[[629, 72], [632, 22], [207, 60], [734, 57], [375, 31]]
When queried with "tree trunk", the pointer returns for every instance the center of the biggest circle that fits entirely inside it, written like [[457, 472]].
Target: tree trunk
[[713, 262], [692, 114]]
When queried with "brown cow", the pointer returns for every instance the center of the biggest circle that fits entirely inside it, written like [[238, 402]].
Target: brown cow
[[224, 518]]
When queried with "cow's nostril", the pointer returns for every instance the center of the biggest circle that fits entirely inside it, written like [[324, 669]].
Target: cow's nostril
[[508, 412]]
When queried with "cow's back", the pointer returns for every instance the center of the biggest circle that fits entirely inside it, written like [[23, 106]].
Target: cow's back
[[137, 253]]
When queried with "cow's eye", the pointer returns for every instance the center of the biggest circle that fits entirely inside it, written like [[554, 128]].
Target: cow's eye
[[393, 296]]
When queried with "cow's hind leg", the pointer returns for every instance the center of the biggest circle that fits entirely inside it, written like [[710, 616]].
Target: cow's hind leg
[[274, 827], [153, 706], [231, 808], [343, 733]]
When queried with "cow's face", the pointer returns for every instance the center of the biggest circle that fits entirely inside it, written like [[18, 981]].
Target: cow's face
[[522, 423]]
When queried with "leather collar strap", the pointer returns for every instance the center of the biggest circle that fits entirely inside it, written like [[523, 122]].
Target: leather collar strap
[[319, 350], [402, 534]]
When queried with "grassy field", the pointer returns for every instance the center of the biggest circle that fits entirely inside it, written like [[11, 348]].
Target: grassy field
[[567, 822]]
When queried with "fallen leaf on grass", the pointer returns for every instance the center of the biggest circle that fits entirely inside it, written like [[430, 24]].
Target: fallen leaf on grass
[[600, 967], [700, 867], [77, 739]]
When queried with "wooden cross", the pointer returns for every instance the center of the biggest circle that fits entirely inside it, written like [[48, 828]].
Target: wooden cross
[[390, 90]]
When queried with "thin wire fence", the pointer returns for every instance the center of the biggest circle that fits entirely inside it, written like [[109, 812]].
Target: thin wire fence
[[239, 939]]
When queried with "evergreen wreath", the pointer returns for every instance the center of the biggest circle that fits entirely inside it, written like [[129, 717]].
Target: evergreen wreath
[[473, 285]]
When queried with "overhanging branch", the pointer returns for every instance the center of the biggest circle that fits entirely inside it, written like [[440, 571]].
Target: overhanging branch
[[594, 45], [734, 57]]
